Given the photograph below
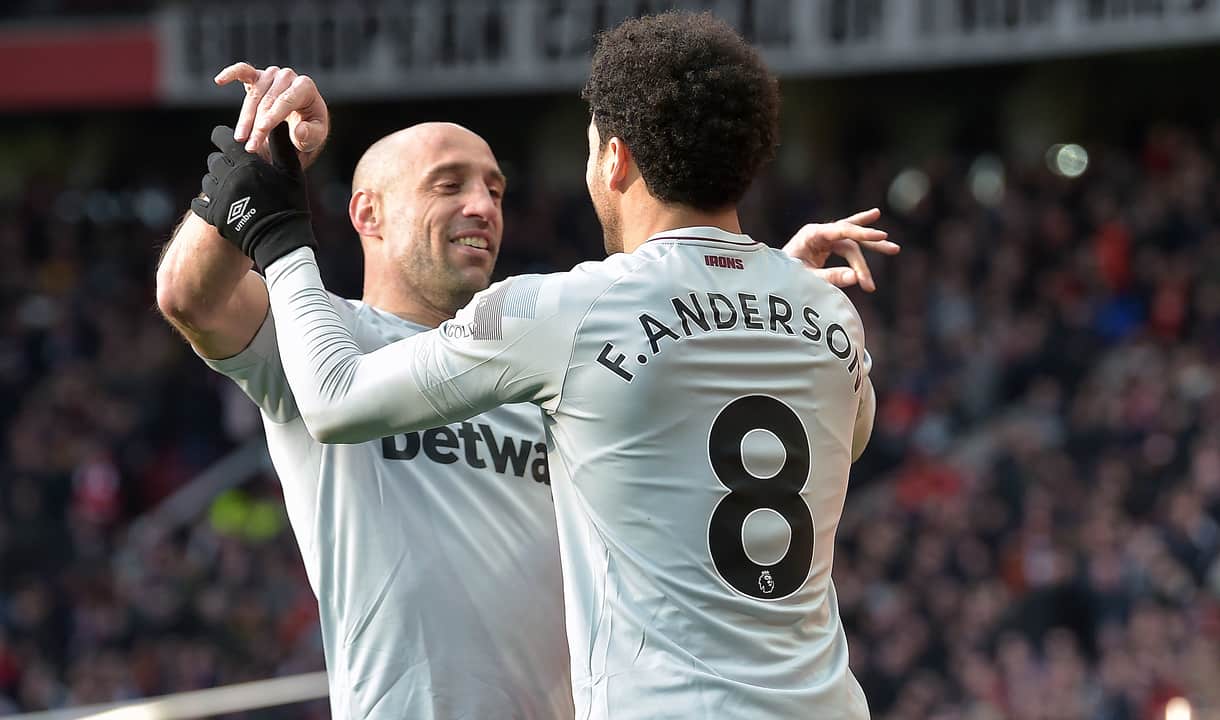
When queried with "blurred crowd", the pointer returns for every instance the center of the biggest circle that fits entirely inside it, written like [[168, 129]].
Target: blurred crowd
[[1033, 533], [105, 413]]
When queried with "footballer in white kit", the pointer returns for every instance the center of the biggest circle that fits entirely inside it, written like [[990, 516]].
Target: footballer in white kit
[[704, 399], [409, 529]]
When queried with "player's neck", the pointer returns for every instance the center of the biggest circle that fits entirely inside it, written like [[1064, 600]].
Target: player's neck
[[409, 308], [658, 217]]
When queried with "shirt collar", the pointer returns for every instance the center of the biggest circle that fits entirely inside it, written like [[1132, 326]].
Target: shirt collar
[[705, 232]]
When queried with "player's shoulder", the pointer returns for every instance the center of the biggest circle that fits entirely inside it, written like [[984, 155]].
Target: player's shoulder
[[838, 304], [596, 276], [789, 277], [600, 274], [518, 290], [530, 297], [565, 292], [590, 283], [791, 271]]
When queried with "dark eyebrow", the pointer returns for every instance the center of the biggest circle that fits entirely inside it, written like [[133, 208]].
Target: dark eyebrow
[[457, 168]]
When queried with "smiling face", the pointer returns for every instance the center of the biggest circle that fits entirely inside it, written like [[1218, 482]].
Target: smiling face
[[442, 216]]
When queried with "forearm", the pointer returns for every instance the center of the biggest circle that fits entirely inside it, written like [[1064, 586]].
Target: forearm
[[206, 290], [198, 271], [344, 396]]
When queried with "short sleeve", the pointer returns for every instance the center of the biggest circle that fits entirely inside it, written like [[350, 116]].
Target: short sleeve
[[259, 374]]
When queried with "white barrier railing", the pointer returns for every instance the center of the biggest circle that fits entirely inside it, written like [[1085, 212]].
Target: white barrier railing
[[199, 703]]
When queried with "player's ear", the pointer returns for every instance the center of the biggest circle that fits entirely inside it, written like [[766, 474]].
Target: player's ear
[[365, 213], [621, 160]]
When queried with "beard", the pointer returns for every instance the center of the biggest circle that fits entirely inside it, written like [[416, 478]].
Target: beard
[[438, 281], [610, 219]]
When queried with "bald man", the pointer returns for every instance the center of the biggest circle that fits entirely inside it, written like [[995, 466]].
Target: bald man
[[434, 555]]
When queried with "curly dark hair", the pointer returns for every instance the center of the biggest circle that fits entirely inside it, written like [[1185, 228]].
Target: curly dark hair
[[693, 101]]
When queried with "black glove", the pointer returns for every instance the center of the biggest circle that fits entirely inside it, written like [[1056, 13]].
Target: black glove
[[262, 208]]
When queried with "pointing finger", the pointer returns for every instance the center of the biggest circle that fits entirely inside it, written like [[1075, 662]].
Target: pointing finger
[[237, 72], [864, 217], [858, 233], [263, 120], [249, 107]]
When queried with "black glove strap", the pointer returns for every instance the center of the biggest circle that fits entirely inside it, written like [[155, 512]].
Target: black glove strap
[[283, 233]]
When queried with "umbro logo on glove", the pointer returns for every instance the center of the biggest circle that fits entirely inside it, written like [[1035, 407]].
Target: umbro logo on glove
[[261, 207], [238, 210]]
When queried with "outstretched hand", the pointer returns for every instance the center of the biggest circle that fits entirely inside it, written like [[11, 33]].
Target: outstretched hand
[[814, 243]]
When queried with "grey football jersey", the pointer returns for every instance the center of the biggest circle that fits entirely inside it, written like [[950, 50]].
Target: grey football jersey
[[432, 552], [705, 398]]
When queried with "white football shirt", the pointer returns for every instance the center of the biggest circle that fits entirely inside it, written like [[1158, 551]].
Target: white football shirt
[[432, 552], [705, 398]]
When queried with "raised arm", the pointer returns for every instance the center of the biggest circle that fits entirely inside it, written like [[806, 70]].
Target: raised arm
[[479, 360], [205, 287]]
